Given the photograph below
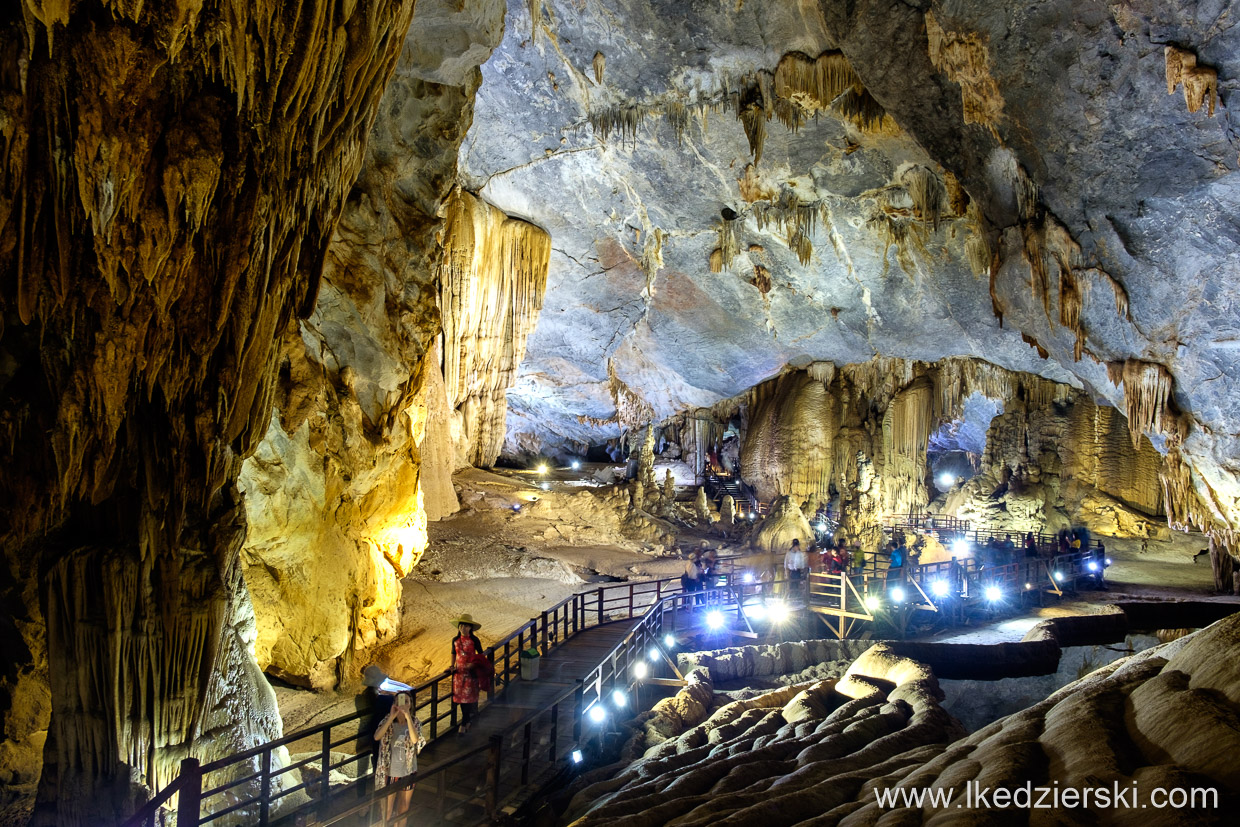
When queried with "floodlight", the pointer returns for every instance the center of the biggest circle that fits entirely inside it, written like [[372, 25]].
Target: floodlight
[[598, 714], [669, 641], [542, 469], [946, 481], [747, 577], [714, 619], [757, 611], [653, 654], [576, 464], [619, 699], [897, 595], [1057, 576], [960, 546], [779, 611], [872, 603], [1093, 565], [1108, 561], [640, 670], [577, 756], [993, 593], [939, 588]]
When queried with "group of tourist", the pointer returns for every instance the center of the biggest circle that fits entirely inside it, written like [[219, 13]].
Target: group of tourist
[[701, 566], [398, 731]]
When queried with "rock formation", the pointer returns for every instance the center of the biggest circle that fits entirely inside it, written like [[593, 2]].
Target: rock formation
[[816, 753], [173, 176]]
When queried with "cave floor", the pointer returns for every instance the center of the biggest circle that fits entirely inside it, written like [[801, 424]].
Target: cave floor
[[504, 565]]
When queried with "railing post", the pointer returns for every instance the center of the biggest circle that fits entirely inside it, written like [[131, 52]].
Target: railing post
[[543, 633], [577, 711], [189, 803], [525, 753], [492, 799], [325, 787], [600, 604], [555, 730], [434, 710], [264, 789]]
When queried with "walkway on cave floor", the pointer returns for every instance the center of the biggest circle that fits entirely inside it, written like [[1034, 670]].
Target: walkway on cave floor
[[560, 672]]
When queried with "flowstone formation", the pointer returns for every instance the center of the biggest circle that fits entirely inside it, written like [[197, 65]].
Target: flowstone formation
[[818, 752], [172, 180], [782, 757]]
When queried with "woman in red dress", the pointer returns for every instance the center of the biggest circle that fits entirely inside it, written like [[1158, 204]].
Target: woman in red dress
[[467, 660]]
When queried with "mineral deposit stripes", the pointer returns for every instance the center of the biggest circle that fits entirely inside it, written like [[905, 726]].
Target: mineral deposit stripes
[[1053, 797]]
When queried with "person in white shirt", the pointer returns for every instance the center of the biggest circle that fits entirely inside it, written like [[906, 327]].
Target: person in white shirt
[[797, 564]]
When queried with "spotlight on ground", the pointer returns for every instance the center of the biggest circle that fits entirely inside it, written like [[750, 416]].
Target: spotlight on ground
[[1093, 565], [993, 593], [778, 611], [542, 469], [897, 595], [546, 486], [619, 699], [756, 611], [577, 756], [1057, 576], [960, 547], [669, 641], [516, 506], [946, 481], [747, 578], [576, 464], [872, 603], [598, 714], [939, 588], [1108, 561], [640, 671], [1028, 586], [714, 619]]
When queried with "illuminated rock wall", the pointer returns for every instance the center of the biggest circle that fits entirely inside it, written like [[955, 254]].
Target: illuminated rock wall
[[173, 174]]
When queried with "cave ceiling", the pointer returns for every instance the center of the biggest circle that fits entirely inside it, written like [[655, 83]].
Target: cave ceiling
[[1054, 118]]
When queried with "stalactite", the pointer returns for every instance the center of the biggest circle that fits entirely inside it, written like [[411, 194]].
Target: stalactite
[[726, 229], [1200, 82], [927, 192], [978, 249], [600, 64], [1147, 398], [966, 61], [493, 274], [860, 108], [814, 83]]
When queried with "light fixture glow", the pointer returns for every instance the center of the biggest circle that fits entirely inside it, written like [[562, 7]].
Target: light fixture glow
[[653, 654], [897, 595], [1058, 576], [619, 699], [1108, 561], [993, 593], [946, 481], [959, 546], [1028, 586], [757, 611], [822, 526], [546, 486], [669, 641], [872, 603], [542, 469], [752, 515], [577, 756], [747, 577], [598, 714], [576, 464], [1093, 565], [714, 619], [779, 611], [939, 588], [640, 670]]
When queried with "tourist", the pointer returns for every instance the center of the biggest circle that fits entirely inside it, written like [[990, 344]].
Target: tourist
[[1031, 545], [691, 577], [373, 703], [797, 565], [709, 564], [400, 740], [895, 562], [468, 660]]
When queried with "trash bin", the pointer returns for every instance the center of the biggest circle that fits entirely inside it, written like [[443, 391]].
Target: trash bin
[[529, 667]]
